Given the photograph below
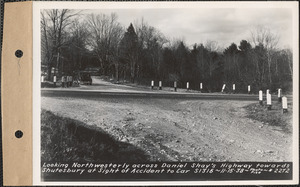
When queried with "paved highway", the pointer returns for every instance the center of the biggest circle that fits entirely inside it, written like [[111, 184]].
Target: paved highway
[[102, 89], [95, 94]]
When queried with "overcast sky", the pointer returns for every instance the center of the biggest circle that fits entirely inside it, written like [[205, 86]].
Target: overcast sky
[[225, 25]]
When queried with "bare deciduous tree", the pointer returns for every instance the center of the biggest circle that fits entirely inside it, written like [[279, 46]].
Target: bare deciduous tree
[[211, 46], [105, 36], [269, 40], [77, 43], [151, 42], [289, 58], [54, 27]]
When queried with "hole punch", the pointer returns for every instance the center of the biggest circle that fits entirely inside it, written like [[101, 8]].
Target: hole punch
[[19, 134], [19, 53]]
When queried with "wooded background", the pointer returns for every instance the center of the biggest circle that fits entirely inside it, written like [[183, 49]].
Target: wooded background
[[72, 41]]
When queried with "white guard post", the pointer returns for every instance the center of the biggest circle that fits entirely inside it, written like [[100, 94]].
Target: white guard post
[[175, 86], [260, 97], [201, 86], [160, 85], [223, 87], [233, 88], [269, 102], [152, 85], [42, 81], [187, 86], [279, 95], [249, 89], [54, 80], [284, 105]]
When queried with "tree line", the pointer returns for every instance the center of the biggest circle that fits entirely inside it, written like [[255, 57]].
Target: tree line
[[72, 41]]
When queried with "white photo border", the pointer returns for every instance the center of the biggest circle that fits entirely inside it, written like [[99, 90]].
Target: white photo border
[[38, 6]]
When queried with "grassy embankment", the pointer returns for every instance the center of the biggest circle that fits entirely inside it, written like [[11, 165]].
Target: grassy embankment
[[64, 139], [274, 117]]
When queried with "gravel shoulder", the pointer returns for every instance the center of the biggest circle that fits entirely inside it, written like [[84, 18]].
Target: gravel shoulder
[[181, 130]]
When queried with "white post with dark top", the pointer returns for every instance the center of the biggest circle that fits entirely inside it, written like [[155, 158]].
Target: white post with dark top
[[152, 85], [260, 97], [269, 101], [54, 80], [160, 85], [279, 94], [284, 105]]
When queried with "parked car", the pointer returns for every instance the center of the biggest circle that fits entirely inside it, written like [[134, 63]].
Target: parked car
[[86, 79]]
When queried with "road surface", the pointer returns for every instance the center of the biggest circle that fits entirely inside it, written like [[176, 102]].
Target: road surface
[[101, 88], [192, 127]]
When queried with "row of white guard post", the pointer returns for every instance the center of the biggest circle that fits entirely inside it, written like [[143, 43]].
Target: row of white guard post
[[233, 88], [200, 86], [268, 95], [175, 85], [269, 99]]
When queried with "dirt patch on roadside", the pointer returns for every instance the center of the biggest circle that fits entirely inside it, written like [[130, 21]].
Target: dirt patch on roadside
[[180, 130]]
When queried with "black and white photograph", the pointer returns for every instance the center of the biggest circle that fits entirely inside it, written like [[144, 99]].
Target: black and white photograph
[[154, 92]]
